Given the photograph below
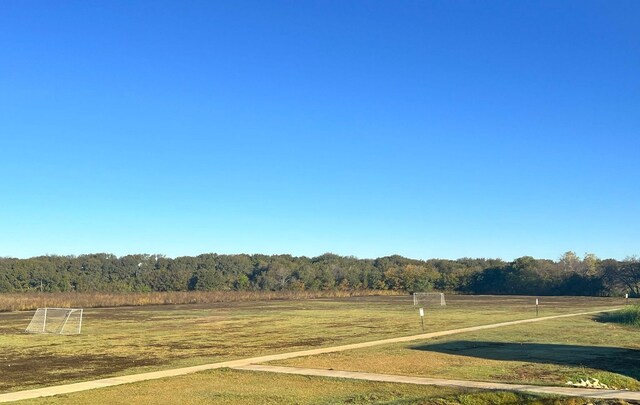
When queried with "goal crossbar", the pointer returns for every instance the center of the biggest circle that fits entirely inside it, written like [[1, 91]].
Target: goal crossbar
[[429, 298]]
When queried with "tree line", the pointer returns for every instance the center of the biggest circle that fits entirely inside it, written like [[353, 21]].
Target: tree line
[[569, 275]]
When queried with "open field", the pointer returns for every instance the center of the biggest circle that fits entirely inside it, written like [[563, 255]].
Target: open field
[[235, 387], [549, 353], [129, 340]]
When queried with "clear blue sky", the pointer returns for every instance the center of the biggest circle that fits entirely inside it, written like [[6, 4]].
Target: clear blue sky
[[422, 128]]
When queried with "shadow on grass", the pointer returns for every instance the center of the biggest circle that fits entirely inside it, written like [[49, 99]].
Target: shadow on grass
[[613, 359]]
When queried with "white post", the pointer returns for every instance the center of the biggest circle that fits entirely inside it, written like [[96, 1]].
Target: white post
[[422, 318], [66, 319], [80, 323], [44, 323]]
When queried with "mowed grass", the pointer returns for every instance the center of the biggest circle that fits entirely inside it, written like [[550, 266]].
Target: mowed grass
[[547, 353], [121, 341], [226, 386]]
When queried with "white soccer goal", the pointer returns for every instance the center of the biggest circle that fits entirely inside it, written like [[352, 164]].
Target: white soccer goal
[[429, 298], [63, 321]]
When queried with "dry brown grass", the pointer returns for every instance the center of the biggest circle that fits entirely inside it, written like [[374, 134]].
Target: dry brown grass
[[135, 339], [29, 301]]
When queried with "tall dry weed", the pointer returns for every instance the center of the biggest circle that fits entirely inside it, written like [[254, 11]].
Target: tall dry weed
[[30, 301]]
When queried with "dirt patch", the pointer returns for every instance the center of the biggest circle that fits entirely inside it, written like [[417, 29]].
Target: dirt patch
[[316, 342], [532, 372], [30, 371]]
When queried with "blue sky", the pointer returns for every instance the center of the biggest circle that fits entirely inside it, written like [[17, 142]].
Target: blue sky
[[422, 128]]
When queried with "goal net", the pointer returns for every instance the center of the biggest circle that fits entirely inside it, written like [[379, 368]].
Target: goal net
[[63, 321], [429, 298]]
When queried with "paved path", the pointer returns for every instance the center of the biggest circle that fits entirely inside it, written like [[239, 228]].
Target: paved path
[[536, 389], [113, 381]]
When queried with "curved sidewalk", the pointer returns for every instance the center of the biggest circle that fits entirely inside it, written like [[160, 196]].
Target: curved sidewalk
[[113, 381], [535, 389]]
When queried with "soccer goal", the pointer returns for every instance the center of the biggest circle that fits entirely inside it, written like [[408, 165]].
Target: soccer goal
[[429, 298], [63, 321]]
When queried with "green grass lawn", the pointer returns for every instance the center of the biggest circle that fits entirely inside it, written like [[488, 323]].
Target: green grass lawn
[[118, 341], [546, 353], [243, 387]]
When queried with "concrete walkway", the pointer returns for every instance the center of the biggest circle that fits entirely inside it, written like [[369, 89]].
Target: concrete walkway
[[536, 389], [113, 381]]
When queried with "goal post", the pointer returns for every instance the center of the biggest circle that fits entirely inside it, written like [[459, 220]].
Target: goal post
[[62, 321], [429, 298]]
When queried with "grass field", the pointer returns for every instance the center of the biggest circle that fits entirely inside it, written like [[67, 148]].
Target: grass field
[[234, 387], [550, 353], [117, 341]]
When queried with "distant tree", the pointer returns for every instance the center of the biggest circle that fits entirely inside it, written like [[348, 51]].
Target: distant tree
[[205, 279], [629, 275], [570, 261], [418, 278], [490, 281], [144, 272], [242, 282], [590, 264]]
